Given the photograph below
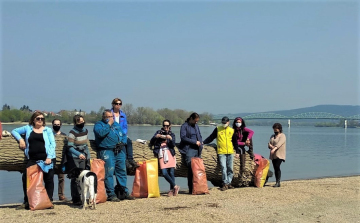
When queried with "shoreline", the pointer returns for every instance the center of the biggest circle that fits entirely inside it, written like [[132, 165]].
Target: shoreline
[[330, 199]]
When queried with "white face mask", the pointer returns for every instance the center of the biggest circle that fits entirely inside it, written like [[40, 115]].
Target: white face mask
[[225, 125], [238, 124]]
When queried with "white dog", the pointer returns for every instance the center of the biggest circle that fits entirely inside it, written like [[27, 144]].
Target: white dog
[[88, 183]]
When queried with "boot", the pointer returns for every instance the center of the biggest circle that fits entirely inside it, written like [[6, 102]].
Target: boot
[[278, 177], [250, 152], [242, 169]]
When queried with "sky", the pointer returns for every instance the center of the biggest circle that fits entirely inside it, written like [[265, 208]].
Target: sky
[[204, 56]]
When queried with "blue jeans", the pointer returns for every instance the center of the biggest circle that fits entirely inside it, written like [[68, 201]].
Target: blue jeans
[[190, 153], [226, 163], [114, 164], [169, 175]]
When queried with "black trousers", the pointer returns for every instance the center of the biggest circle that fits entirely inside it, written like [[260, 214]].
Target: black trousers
[[48, 180], [276, 165]]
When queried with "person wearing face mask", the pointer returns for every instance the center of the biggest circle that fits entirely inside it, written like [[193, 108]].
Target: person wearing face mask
[[164, 143], [56, 124], [226, 143], [78, 155], [277, 146], [243, 137], [191, 144]]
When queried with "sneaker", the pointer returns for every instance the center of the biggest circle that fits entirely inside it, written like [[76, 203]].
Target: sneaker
[[129, 197], [113, 199], [176, 190], [170, 193], [77, 203], [224, 187], [229, 186]]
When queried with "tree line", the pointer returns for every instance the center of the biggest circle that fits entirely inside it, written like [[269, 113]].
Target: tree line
[[135, 115]]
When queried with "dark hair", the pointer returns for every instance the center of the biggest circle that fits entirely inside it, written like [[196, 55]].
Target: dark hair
[[76, 118], [193, 116], [115, 100], [277, 126], [106, 111], [56, 120], [166, 120], [34, 115], [243, 125]]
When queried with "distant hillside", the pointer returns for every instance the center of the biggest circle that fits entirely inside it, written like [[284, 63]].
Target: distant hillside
[[343, 110]]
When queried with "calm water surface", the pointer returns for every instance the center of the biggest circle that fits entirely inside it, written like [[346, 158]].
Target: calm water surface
[[311, 153]]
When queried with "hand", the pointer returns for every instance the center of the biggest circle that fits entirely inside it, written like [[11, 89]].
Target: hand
[[157, 136], [237, 155], [81, 156], [22, 144], [169, 137], [111, 121], [247, 142], [198, 143], [47, 161], [270, 146], [272, 152]]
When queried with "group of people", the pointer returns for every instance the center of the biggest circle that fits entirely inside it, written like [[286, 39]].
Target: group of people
[[115, 148]]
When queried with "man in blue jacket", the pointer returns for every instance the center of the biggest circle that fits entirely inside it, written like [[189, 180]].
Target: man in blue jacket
[[110, 141]]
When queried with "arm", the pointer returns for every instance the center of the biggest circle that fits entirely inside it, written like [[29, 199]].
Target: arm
[[51, 152], [171, 143], [124, 125], [251, 132], [71, 145], [18, 132], [282, 140], [101, 130], [153, 139], [211, 137], [184, 137], [235, 145]]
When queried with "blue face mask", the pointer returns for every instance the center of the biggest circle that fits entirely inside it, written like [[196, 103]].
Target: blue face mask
[[107, 120]]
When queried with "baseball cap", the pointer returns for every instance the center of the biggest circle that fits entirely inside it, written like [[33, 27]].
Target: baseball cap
[[224, 120]]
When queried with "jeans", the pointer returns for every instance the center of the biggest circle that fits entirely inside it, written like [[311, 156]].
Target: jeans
[[114, 164], [129, 149], [190, 153], [226, 163], [169, 175]]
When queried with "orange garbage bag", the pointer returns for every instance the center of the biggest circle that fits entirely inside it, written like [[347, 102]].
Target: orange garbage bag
[[98, 167], [199, 176], [140, 186], [36, 192], [261, 172]]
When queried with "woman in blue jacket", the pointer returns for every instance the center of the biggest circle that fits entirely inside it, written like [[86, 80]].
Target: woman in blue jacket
[[191, 144], [38, 145]]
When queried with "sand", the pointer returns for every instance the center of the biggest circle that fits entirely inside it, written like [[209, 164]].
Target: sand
[[317, 200]]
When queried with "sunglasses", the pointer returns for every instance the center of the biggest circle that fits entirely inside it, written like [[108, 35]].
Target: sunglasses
[[166, 125], [118, 103], [38, 119]]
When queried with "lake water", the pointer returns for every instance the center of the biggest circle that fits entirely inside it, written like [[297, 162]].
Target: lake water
[[311, 153]]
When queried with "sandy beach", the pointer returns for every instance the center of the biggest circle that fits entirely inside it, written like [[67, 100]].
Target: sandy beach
[[317, 200]]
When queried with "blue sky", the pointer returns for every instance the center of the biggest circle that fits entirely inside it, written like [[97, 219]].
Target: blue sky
[[219, 57]]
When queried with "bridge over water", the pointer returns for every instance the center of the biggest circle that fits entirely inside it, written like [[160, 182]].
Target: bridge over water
[[307, 115]]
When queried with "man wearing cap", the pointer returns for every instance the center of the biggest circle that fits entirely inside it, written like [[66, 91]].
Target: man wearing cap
[[226, 143]]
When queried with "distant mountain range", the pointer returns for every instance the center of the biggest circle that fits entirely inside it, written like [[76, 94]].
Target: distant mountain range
[[343, 110]]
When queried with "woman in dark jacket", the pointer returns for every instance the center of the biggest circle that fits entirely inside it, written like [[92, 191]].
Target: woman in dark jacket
[[243, 137], [164, 143], [191, 144]]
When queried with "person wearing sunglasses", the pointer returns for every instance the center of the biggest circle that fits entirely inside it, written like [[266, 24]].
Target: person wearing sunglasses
[[56, 125], [120, 117], [164, 143], [38, 145]]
